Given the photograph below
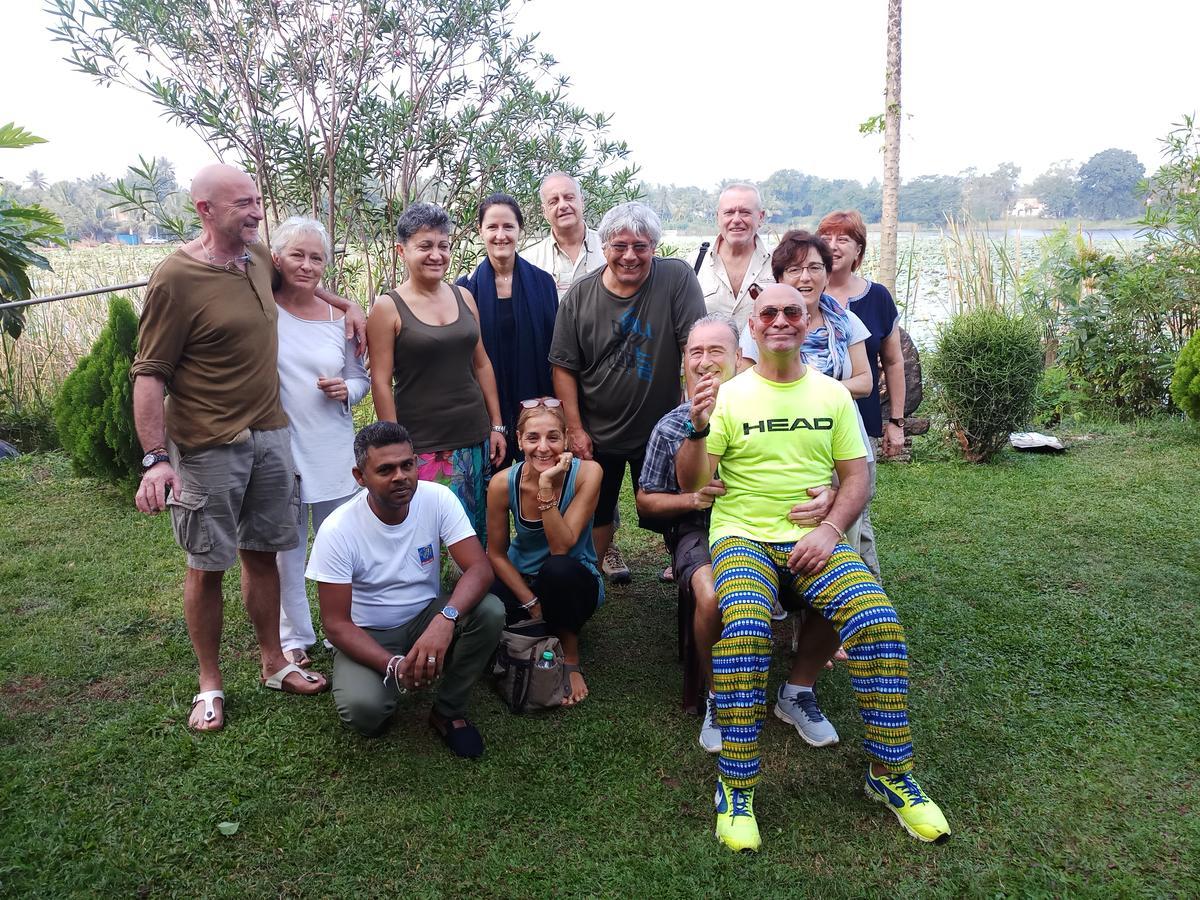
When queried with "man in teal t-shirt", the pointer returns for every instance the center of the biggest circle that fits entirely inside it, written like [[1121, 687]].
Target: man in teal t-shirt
[[776, 430]]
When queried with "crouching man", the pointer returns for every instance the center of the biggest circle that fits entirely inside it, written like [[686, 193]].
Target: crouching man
[[376, 564], [776, 430]]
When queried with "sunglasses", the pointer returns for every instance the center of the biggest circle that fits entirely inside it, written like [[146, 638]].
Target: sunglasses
[[535, 402], [768, 314]]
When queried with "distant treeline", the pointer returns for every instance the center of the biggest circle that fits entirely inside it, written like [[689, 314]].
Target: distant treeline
[[1110, 185]]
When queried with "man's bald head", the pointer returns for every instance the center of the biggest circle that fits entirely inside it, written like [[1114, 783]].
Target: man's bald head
[[218, 180], [229, 205], [779, 295]]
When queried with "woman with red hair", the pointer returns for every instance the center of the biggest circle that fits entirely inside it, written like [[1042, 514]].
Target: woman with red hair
[[846, 235]]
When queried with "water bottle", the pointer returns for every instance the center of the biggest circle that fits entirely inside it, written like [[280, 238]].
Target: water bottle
[[546, 662]]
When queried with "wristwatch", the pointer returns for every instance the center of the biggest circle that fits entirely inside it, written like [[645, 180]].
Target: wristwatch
[[692, 434], [450, 613], [899, 423], [154, 457]]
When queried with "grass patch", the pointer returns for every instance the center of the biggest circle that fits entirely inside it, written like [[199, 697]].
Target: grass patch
[[1050, 604]]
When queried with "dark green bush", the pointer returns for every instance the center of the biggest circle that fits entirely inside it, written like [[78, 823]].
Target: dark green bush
[[1185, 385], [29, 427], [94, 409], [987, 367]]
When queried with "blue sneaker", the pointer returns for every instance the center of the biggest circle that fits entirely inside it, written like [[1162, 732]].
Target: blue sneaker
[[803, 712], [919, 815], [737, 828]]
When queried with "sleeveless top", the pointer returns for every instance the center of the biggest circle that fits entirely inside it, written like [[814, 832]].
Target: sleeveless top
[[438, 398], [528, 550]]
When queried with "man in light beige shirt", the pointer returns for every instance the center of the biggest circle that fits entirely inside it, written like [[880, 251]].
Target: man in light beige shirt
[[740, 257], [571, 249]]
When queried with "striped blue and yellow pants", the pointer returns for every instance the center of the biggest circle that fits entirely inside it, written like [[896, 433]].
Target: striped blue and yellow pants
[[749, 576]]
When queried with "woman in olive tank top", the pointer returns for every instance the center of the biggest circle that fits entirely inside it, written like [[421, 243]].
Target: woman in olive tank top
[[429, 370]]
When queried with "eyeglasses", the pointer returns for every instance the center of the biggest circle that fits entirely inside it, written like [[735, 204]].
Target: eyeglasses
[[815, 270], [768, 314], [754, 290], [535, 402], [639, 248]]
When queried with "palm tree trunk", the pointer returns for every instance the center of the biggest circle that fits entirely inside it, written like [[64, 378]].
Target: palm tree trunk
[[891, 153]]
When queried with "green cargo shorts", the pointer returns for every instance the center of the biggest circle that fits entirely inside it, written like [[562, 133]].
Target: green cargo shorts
[[241, 495]]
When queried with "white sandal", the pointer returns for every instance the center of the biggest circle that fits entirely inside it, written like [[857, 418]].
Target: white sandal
[[275, 682], [210, 710]]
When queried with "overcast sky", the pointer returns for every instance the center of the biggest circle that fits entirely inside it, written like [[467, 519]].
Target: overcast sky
[[703, 90]]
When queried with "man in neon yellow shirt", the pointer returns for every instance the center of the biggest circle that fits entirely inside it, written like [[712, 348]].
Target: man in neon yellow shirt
[[776, 430]]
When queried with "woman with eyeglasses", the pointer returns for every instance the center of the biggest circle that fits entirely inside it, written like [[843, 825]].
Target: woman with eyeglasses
[[517, 303], [548, 569], [429, 369]]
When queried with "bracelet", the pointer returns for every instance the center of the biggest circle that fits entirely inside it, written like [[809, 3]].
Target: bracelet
[[389, 671], [544, 505], [841, 534], [531, 604]]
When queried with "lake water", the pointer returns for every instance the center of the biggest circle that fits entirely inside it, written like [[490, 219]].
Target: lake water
[[923, 289]]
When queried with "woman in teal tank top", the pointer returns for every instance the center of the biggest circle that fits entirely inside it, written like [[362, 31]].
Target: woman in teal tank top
[[548, 569]]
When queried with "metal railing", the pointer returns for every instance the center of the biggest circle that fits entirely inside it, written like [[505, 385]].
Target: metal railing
[[111, 289]]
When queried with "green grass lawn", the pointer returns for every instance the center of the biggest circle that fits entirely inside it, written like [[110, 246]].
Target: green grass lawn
[[1051, 609]]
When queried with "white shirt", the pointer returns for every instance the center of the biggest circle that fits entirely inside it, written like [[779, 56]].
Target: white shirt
[[393, 570], [322, 429], [718, 293], [547, 255]]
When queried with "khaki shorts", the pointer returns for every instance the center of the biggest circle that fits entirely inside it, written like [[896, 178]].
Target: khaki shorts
[[241, 495]]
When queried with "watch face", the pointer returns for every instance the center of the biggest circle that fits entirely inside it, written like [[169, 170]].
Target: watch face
[[450, 613], [147, 460]]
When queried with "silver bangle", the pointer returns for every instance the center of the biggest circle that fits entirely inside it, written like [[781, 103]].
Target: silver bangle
[[531, 604]]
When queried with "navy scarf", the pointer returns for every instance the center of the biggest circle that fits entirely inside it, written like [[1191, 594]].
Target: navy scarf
[[522, 371]]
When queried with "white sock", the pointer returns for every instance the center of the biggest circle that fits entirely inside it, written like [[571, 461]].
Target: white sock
[[791, 691]]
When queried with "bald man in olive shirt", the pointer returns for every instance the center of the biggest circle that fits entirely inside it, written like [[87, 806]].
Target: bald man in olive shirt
[[220, 458]]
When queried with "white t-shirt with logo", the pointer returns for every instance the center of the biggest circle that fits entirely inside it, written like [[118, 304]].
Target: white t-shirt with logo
[[393, 570]]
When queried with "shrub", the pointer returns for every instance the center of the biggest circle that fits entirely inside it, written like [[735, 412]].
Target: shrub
[[988, 365], [1056, 398], [1122, 338], [94, 409], [29, 427], [1185, 384]]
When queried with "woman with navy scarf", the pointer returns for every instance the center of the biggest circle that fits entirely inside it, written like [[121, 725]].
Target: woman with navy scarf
[[517, 304]]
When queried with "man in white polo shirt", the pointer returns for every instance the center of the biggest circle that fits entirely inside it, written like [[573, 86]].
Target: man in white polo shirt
[[376, 564]]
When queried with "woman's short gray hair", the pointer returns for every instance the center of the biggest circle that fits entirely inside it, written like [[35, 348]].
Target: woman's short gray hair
[[290, 230], [419, 216], [634, 217], [717, 319]]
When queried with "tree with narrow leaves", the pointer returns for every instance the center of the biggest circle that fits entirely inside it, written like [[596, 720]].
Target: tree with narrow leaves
[[351, 110]]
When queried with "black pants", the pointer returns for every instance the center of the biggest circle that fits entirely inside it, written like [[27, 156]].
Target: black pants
[[569, 592], [612, 471]]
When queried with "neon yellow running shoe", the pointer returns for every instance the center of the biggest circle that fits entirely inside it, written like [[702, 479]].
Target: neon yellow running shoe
[[918, 814], [737, 828]]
